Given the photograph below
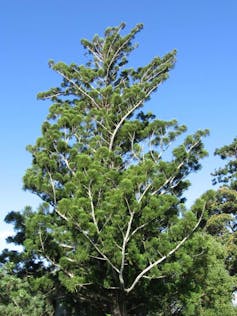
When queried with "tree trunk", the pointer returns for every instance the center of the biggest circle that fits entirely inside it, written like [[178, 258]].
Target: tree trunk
[[119, 306]]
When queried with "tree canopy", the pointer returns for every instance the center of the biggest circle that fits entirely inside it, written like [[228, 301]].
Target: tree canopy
[[112, 231]]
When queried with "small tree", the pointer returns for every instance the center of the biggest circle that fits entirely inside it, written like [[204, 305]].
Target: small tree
[[112, 217]]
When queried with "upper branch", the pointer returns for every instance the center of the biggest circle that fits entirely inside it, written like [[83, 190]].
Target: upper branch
[[126, 115], [82, 91]]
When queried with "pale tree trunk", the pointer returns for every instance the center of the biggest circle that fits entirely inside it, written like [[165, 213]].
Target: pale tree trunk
[[119, 306]]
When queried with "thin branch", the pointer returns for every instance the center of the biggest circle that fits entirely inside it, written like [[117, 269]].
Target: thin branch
[[171, 178], [160, 260], [139, 227], [132, 137], [97, 248], [144, 76], [113, 288], [103, 126], [150, 147], [64, 159], [53, 188], [117, 245], [53, 95], [83, 232], [15, 302], [71, 275], [116, 54], [70, 259], [61, 215], [126, 115], [55, 200], [67, 164], [111, 44], [98, 258], [152, 76], [79, 88], [144, 192], [96, 54], [154, 278], [41, 241], [125, 241], [88, 83], [107, 219], [93, 211], [67, 246]]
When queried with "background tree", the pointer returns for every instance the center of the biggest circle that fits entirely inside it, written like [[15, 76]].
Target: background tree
[[26, 274], [222, 204], [227, 201], [112, 226], [18, 296], [219, 221]]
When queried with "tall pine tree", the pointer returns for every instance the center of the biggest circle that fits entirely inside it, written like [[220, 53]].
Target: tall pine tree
[[112, 221]]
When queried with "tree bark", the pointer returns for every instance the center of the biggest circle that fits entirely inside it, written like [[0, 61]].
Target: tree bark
[[119, 307]]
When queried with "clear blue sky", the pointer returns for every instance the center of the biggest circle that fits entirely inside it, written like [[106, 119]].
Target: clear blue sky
[[200, 93]]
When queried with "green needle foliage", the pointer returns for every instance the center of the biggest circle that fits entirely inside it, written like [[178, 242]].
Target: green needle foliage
[[223, 204], [112, 227], [110, 198], [219, 221], [112, 205], [19, 297]]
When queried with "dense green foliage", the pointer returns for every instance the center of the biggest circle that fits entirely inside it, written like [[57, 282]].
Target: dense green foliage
[[112, 234], [19, 297], [223, 204]]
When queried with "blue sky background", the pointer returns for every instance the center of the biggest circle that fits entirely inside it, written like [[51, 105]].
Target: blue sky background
[[200, 93]]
